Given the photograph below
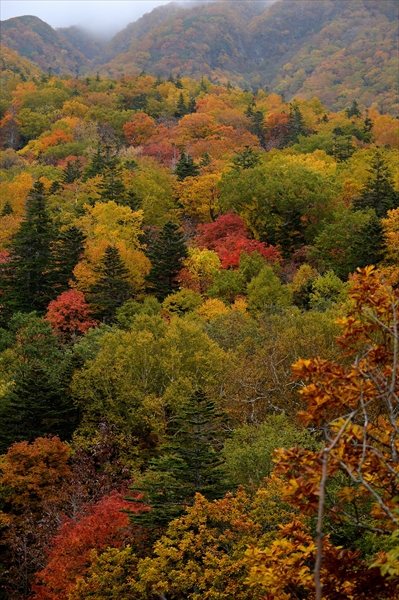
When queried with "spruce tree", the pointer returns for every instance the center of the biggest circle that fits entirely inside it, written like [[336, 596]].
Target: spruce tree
[[112, 288], [343, 145], [26, 282], [98, 162], [378, 193], [246, 159], [181, 108], [186, 167], [37, 403], [367, 247], [296, 125], [258, 126], [7, 209], [72, 171], [178, 82], [189, 463], [66, 253], [112, 187], [166, 255], [353, 111]]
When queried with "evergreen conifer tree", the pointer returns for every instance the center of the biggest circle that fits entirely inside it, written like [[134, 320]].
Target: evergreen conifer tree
[[378, 193], [258, 126], [343, 145], [98, 162], [189, 463], [66, 251], [7, 209], [186, 167], [296, 125], [166, 255], [178, 82], [26, 282], [37, 404], [181, 108], [246, 159], [367, 246], [71, 171], [112, 187], [353, 111], [112, 288]]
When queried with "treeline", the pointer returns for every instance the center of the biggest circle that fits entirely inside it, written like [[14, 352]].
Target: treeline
[[169, 249]]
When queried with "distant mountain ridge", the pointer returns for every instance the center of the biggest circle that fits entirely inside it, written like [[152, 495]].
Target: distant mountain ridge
[[338, 50], [46, 47]]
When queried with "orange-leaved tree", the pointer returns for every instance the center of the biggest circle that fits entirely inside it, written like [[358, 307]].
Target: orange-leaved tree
[[353, 403]]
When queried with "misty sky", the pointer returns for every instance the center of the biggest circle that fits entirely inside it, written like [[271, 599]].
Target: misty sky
[[103, 16]]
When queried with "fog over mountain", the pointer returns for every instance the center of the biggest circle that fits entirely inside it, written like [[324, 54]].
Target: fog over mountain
[[336, 50], [102, 17]]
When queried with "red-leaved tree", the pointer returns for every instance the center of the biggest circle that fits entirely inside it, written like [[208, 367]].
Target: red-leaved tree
[[103, 526], [228, 237], [69, 315]]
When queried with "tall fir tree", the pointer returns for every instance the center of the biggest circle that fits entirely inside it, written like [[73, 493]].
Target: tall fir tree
[[26, 284], [66, 252], [181, 108], [7, 209], [258, 126], [186, 167], [367, 247], [37, 404], [189, 463], [379, 192], [166, 255], [296, 125], [343, 147], [112, 288], [72, 171]]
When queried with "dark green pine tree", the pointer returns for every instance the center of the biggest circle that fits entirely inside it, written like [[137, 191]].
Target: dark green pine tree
[[367, 247], [189, 463], [296, 125], [38, 403], [7, 209], [178, 82], [343, 147], [26, 282], [181, 108], [112, 288], [258, 126], [378, 193], [72, 171], [353, 111], [98, 162], [186, 167], [112, 186], [66, 253], [246, 159], [166, 255]]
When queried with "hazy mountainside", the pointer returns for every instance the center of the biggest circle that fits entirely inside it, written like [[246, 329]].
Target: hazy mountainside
[[338, 50], [211, 39], [121, 42], [43, 45], [83, 41]]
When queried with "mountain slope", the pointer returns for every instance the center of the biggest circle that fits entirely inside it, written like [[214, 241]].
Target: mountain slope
[[88, 45], [43, 45], [340, 50]]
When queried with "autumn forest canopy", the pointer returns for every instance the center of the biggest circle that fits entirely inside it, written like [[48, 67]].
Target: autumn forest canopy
[[199, 291]]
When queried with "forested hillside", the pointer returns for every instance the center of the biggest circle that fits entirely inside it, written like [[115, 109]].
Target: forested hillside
[[41, 44], [199, 291], [337, 50]]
